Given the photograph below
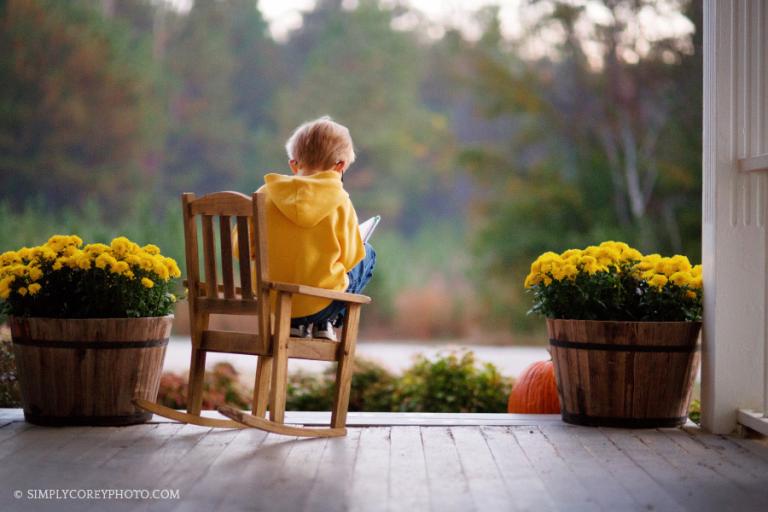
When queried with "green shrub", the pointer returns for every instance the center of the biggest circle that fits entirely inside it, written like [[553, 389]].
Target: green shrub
[[694, 411], [372, 387], [451, 383], [9, 386]]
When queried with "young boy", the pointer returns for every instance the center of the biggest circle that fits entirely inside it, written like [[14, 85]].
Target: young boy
[[312, 228]]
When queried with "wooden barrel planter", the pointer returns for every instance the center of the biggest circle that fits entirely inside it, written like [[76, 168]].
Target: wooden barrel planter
[[624, 374], [88, 371]]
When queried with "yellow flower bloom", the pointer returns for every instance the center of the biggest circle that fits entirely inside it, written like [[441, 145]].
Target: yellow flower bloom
[[95, 249], [122, 247], [35, 274], [680, 278], [696, 282], [9, 257], [658, 281], [532, 279], [34, 288], [151, 249], [22, 291], [147, 283], [631, 254], [173, 267], [696, 271], [690, 294], [570, 253], [172, 297], [59, 243], [120, 267], [83, 261], [681, 262], [105, 259], [161, 270]]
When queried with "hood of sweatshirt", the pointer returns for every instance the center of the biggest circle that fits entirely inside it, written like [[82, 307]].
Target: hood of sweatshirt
[[306, 200]]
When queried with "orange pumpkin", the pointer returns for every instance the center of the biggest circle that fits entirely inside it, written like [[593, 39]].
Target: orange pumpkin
[[535, 391]]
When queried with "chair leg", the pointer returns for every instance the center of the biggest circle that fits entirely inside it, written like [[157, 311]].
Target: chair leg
[[196, 375], [277, 394], [261, 386], [345, 367]]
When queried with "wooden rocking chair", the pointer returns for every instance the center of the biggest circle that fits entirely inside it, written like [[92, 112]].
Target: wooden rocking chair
[[272, 342]]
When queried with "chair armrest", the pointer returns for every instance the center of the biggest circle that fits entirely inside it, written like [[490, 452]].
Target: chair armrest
[[320, 292]]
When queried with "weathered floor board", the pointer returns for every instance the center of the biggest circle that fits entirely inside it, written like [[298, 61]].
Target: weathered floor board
[[443, 467]]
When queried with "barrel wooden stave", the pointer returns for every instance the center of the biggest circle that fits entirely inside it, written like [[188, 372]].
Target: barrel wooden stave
[[617, 387], [92, 380]]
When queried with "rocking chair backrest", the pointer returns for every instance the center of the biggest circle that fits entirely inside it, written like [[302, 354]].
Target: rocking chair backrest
[[218, 293]]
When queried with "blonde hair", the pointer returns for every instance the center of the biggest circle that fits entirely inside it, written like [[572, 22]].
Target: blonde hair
[[318, 145]]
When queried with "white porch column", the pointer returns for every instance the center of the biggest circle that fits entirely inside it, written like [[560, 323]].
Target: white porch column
[[735, 201]]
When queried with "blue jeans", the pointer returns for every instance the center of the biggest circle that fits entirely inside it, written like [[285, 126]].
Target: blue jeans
[[358, 278]]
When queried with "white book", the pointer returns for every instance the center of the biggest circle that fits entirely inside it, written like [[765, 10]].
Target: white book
[[367, 227]]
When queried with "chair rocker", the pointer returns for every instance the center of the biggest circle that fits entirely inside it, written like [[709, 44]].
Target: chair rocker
[[272, 343]]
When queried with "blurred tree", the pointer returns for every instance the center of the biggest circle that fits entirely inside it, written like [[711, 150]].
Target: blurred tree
[[207, 141], [601, 146], [355, 67], [74, 105]]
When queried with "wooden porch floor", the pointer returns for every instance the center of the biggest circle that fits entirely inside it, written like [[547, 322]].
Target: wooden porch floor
[[508, 463]]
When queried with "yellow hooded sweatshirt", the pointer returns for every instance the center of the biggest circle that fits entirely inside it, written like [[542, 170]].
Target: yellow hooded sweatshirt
[[313, 236]]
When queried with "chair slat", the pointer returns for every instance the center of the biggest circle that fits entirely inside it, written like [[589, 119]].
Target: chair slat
[[227, 306], [314, 349], [230, 342], [244, 248], [209, 256], [222, 203], [225, 229]]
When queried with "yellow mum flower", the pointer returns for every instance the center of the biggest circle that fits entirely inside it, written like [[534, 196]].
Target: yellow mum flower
[[22, 291], [120, 267], [9, 257], [147, 283], [696, 271], [570, 253], [35, 273], [172, 297], [58, 243], [658, 281], [680, 278], [151, 249], [173, 267], [83, 261], [682, 262], [96, 249], [631, 254], [690, 294], [26, 253], [105, 259], [532, 279], [122, 247], [696, 282], [34, 288], [58, 264], [161, 270]]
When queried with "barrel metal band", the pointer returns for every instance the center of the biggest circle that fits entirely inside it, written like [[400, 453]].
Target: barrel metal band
[[102, 344], [614, 347]]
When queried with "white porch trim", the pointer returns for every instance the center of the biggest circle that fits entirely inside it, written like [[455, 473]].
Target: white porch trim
[[735, 209]]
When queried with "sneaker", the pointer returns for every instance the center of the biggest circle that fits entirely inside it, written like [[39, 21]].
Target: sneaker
[[301, 331], [325, 331]]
